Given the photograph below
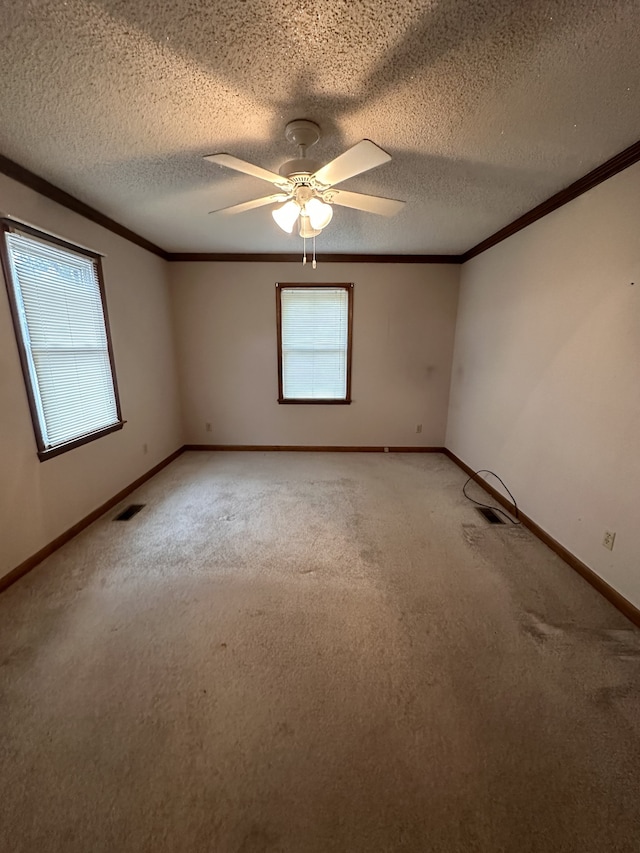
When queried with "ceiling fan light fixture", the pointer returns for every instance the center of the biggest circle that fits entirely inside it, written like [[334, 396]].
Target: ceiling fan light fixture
[[319, 213], [286, 215]]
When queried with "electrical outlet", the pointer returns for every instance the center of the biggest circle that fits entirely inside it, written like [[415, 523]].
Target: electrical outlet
[[145, 448], [207, 426], [608, 539], [418, 428]]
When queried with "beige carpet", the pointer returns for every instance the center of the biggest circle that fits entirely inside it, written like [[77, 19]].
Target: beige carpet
[[307, 653]]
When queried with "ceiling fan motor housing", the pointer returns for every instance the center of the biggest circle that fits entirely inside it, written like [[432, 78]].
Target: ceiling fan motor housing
[[299, 167]]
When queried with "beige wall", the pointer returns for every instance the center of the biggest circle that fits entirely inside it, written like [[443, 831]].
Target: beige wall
[[40, 500], [404, 319], [546, 375]]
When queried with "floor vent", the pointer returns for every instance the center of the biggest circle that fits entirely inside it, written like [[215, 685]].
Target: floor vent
[[490, 514], [129, 512]]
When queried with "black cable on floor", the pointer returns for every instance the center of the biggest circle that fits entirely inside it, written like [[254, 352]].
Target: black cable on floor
[[487, 506]]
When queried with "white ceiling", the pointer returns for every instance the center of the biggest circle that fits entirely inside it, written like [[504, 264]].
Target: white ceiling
[[487, 108]]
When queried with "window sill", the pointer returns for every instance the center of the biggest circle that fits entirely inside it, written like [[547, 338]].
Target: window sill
[[50, 452], [315, 402]]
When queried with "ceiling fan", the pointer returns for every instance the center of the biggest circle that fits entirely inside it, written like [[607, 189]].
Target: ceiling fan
[[306, 190]]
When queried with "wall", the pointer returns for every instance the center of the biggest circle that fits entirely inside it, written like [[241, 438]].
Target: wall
[[40, 500], [546, 374], [403, 327]]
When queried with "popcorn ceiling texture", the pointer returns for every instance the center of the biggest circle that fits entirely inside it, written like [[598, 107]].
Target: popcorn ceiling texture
[[487, 107]]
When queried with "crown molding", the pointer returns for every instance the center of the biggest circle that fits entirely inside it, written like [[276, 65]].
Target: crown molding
[[35, 182], [602, 173], [295, 257]]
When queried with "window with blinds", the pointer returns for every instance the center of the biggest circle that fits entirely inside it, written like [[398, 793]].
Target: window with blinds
[[314, 343], [57, 301]]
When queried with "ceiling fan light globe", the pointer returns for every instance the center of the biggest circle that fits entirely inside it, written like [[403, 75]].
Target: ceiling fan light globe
[[306, 229], [286, 215], [319, 213]]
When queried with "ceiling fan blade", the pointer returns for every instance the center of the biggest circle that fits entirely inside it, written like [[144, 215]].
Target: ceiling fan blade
[[368, 203], [364, 155], [232, 162], [251, 205]]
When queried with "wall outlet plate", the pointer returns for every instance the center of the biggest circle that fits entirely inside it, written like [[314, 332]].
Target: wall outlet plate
[[608, 539]]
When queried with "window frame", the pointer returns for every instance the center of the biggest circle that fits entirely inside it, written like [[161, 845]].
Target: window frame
[[298, 286], [8, 225]]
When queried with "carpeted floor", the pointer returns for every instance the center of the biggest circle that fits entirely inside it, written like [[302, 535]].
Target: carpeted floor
[[308, 653]]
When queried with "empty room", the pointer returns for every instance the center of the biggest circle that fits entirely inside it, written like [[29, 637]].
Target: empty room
[[320, 407]]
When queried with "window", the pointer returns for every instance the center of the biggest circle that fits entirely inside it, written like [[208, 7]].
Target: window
[[314, 342], [59, 314]]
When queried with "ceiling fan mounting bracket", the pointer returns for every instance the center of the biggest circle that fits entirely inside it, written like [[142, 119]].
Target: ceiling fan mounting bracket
[[302, 132]]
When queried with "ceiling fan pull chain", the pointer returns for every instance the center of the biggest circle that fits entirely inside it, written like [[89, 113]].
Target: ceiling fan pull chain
[[314, 252], [304, 251]]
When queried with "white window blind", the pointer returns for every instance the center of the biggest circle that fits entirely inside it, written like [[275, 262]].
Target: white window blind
[[59, 307], [315, 328]]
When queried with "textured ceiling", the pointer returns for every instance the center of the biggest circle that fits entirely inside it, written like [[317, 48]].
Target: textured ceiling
[[487, 108]]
